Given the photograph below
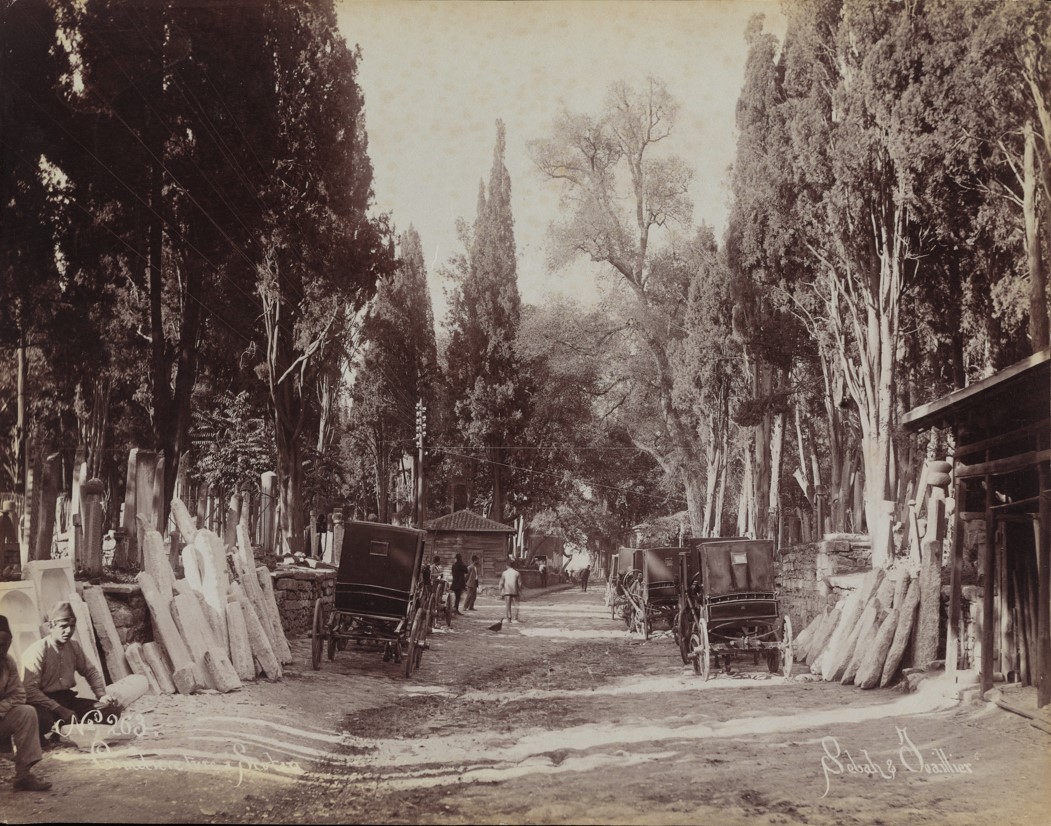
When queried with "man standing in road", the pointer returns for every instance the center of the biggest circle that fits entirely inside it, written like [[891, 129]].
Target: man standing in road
[[18, 720], [459, 572], [51, 665], [474, 571], [543, 573], [511, 589], [584, 576]]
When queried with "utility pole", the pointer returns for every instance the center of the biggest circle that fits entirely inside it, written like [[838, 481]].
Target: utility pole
[[421, 432]]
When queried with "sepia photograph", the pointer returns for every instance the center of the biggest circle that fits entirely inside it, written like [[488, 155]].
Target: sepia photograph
[[568, 412]]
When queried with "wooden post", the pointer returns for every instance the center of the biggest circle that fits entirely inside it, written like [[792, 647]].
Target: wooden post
[[90, 559], [987, 588], [1043, 575], [952, 644]]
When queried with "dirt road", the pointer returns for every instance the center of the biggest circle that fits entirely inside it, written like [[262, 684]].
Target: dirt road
[[562, 718]]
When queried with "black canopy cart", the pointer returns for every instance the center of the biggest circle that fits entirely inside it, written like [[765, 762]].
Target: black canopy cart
[[729, 606], [625, 575], [381, 598], [655, 599], [646, 597]]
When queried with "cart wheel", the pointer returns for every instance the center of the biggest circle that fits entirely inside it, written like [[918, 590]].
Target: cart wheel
[[317, 634], [787, 656], [701, 650], [412, 656], [683, 634]]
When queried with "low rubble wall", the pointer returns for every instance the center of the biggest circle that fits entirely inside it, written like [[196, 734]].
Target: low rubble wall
[[296, 591], [805, 568]]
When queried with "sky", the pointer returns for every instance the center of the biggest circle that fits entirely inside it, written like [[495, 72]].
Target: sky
[[437, 75]]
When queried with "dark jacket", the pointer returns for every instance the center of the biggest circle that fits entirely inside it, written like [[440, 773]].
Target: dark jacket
[[459, 576]]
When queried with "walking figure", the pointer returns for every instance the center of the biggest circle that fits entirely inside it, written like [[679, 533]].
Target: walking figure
[[511, 590]]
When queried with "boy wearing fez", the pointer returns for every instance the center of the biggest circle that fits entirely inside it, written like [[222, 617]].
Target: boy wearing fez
[[50, 667], [18, 721]]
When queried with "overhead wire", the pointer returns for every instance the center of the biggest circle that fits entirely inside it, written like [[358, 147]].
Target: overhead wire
[[562, 477]]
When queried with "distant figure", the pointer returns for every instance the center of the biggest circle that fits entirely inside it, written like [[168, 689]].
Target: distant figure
[[437, 570], [51, 665], [511, 590], [459, 573], [18, 719], [584, 576], [543, 573], [474, 573]]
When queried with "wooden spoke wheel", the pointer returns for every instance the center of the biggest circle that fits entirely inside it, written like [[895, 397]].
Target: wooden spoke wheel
[[701, 650], [317, 637], [414, 652]]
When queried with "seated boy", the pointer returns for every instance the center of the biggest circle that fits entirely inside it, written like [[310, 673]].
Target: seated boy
[[51, 665]]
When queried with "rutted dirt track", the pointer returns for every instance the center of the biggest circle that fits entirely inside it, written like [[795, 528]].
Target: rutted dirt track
[[562, 718]]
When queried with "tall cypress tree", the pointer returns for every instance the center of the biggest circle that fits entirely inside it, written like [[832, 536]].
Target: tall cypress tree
[[484, 375], [399, 366]]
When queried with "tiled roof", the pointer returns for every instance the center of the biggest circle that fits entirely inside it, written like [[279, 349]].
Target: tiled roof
[[467, 521]]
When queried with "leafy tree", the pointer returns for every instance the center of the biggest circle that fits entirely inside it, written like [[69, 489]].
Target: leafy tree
[[242, 444], [483, 370], [621, 200], [399, 365], [32, 122], [177, 109], [321, 253]]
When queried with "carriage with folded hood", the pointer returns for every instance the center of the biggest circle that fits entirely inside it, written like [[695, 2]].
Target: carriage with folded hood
[[381, 597], [729, 606]]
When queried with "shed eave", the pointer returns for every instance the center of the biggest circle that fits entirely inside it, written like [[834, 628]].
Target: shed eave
[[941, 412]]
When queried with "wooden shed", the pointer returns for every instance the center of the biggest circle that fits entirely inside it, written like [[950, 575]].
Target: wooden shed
[[469, 534], [1002, 479]]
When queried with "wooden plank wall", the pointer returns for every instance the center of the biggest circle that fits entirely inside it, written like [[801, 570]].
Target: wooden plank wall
[[491, 548]]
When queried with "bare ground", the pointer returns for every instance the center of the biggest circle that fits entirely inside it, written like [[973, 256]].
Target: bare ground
[[563, 718]]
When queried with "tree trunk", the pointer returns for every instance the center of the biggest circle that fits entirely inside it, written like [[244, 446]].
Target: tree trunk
[[497, 511], [382, 481], [777, 439], [1038, 315], [290, 484], [21, 454]]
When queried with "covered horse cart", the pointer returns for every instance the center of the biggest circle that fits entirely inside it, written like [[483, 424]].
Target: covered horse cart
[[381, 597], [649, 590], [622, 576], [729, 607]]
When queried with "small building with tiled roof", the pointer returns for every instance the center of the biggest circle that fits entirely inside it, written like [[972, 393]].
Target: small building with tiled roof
[[470, 534]]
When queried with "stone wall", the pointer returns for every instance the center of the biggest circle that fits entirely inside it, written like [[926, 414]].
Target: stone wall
[[805, 568], [296, 591], [130, 614]]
